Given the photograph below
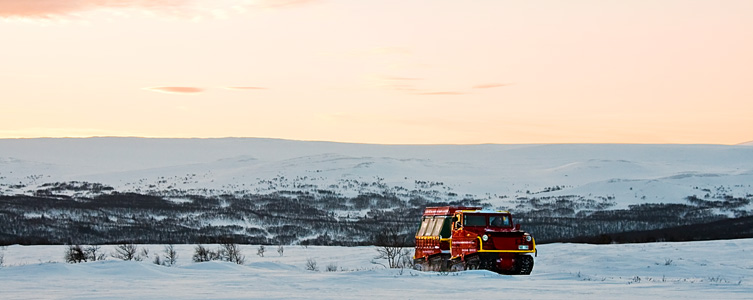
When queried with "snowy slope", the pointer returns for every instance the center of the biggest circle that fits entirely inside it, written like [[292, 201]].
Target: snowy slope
[[496, 173], [688, 270]]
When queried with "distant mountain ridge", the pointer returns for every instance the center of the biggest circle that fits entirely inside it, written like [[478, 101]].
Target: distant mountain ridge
[[498, 173], [254, 188]]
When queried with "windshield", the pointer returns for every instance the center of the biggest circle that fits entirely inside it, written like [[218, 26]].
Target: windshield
[[499, 221]]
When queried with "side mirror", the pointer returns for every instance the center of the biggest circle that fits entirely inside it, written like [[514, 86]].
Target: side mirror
[[517, 226]]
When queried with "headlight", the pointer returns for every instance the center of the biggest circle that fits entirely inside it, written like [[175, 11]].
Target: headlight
[[528, 238], [485, 238]]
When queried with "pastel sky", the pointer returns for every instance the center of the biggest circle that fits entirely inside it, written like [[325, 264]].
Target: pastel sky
[[386, 71]]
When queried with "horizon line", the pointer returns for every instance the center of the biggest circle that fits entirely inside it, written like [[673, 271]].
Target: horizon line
[[747, 143]]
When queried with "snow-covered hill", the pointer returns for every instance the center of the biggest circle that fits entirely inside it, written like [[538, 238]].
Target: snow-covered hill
[[688, 270], [103, 190], [497, 173]]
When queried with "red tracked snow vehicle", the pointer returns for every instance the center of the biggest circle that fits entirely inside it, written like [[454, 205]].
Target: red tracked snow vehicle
[[453, 238]]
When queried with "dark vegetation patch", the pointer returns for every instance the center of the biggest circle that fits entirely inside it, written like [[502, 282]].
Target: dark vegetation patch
[[322, 217]]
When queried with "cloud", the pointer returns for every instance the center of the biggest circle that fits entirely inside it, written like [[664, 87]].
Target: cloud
[[490, 85], [410, 85], [282, 3], [441, 93], [406, 84], [244, 88], [175, 89], [47, 9], [52, 8], [400, 78]]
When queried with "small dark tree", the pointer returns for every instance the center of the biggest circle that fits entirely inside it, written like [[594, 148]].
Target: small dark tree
[[232, 253], [260, 251], [93, 253], [125, 251], [171, 256], [311, 265], [389, 243], [202, 254], [75, 254], [280, 249], [332, 267]]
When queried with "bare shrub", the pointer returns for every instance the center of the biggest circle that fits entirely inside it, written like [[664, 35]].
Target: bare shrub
[[260, 251], [332, 267], [171, 256], [202, 254], [75, 254], [232, 253], [126, 252], [142, 255], [311, 265], [280, 249], [93, 253], [227, 252], [390, 243], [79, 254], [405, 259], [2, 256]]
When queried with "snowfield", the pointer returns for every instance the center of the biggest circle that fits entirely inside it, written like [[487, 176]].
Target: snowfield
[[689, 270]]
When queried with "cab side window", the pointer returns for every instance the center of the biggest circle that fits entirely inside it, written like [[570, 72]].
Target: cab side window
[[471, 220], [446, 230]]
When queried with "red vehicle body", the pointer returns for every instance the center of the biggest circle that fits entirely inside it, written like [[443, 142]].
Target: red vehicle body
[[458, 238]]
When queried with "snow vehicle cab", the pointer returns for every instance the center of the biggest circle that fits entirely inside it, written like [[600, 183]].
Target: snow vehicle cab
[[453, 238]]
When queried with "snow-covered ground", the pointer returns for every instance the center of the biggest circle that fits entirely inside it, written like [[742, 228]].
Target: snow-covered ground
[[690, 270]]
